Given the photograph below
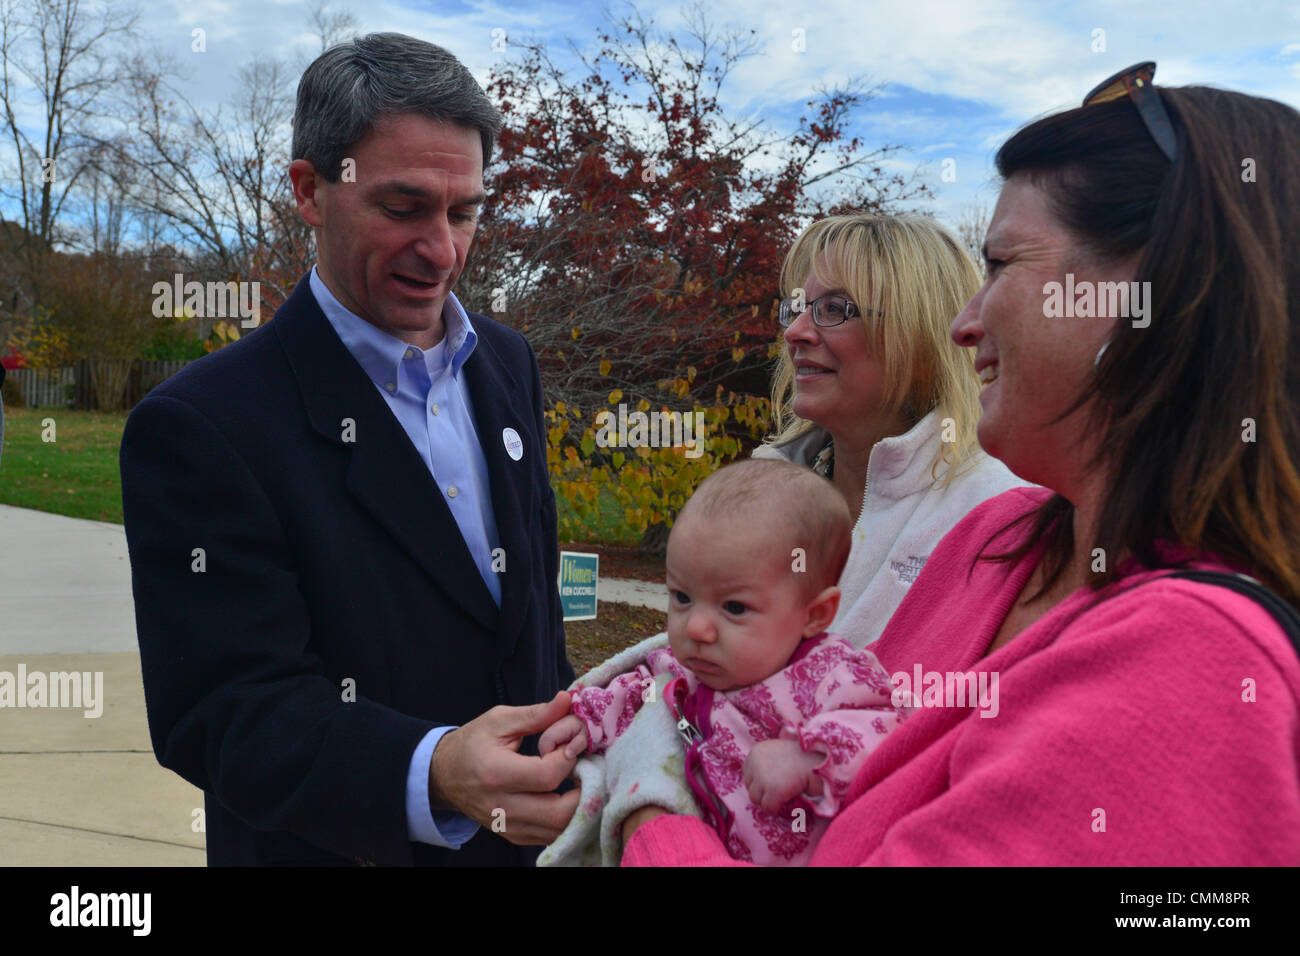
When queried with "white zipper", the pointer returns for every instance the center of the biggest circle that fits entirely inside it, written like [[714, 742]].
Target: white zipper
[[862, 513]]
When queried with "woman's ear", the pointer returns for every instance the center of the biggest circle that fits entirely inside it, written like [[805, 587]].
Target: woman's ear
[[821, 611]]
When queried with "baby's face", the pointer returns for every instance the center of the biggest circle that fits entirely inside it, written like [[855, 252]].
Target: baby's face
[[736, 610]]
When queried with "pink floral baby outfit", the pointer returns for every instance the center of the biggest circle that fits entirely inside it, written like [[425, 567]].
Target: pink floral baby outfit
[[830, 697]]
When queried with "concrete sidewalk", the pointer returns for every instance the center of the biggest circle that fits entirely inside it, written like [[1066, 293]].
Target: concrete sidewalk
[[65, 585], [78, 790], [87, 791]]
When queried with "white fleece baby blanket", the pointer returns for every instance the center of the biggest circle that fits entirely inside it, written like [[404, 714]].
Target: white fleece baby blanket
[[645, 766]]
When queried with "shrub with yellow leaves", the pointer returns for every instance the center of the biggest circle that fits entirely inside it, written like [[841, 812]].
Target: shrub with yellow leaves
[[649, 484]]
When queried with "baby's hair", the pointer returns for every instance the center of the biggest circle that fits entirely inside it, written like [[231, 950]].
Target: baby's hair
[[805, 511]]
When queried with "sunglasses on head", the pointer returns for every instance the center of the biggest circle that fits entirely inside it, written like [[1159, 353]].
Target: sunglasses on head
[[1136, 83]]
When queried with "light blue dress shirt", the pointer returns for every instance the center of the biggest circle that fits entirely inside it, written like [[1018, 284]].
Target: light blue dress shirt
[[430, 399]]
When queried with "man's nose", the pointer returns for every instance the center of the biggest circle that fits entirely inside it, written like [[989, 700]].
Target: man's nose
[[436, 245]]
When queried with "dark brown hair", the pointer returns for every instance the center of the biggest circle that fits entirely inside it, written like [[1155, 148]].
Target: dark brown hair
[[1219, 234]]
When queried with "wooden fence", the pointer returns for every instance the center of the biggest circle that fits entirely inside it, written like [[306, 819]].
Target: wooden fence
[[70, 386]]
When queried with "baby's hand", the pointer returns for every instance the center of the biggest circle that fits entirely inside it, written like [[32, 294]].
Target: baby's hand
[[778, 770], [569, 729]]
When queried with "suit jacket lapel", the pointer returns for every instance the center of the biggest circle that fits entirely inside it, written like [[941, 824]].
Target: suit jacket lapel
[[385, 473], [500, 403]]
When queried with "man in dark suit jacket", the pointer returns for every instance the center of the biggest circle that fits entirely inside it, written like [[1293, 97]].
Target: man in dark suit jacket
[[341, 528]]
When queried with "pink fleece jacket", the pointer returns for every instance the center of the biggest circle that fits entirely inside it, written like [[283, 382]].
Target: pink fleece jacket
[[1160, 726]]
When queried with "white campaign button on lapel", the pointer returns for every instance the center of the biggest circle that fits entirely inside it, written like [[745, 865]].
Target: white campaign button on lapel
[[514, 444]]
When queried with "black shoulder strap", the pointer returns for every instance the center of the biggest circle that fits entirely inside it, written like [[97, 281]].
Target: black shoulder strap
[[1282, 612]]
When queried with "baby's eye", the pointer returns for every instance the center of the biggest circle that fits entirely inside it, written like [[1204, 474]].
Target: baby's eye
[[681, 597], [734, 607]]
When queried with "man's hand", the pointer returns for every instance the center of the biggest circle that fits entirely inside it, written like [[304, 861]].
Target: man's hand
[[477, 770], [778, 770], [569, 729]]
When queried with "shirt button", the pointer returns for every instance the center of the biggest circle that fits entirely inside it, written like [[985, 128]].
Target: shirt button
[[410, 353], [435, 408], [452, 492], [390, 386]]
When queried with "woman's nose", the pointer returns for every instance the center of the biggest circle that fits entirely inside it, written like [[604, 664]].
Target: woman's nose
[[801, 328], [967, 329]]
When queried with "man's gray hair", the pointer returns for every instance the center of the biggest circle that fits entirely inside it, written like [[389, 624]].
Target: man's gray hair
[[351, 85]]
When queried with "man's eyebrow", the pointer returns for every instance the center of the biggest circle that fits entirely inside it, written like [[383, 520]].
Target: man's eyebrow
[[415, 192]]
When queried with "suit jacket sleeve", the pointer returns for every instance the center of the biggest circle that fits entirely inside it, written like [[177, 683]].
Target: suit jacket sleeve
[[238, 703]]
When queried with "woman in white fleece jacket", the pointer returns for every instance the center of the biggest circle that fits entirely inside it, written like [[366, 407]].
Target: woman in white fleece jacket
[[871, 392]]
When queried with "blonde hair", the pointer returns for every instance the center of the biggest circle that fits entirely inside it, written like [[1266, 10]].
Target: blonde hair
[[916, 276], [810, 513]]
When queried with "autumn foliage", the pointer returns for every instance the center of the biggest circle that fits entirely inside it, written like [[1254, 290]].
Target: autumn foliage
[[650, 485], [635, 233], [635, 230]]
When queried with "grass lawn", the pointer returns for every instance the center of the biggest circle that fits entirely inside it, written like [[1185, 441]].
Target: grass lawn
[[74, 475]]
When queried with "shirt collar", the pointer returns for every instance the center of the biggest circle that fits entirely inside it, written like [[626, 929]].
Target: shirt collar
[[381, 354]]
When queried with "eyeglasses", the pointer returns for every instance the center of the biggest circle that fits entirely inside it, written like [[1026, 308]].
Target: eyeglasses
[[1136, 82], [828, 311]]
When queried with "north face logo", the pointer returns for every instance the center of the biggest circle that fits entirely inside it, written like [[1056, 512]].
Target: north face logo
[[909, 569]]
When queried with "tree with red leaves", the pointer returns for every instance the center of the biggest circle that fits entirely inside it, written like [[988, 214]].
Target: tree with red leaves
[[635, 230]]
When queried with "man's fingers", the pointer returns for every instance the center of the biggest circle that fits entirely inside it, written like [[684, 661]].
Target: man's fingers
[[551, 771], [530, 819], [511, 722], [513, 773]]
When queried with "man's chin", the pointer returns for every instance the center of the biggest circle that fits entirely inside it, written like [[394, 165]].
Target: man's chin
[[404, 319]]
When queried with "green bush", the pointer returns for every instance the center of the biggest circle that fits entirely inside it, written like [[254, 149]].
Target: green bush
[[173, 343]]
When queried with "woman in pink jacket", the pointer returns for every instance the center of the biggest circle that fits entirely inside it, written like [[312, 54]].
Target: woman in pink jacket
[[1139, 340]]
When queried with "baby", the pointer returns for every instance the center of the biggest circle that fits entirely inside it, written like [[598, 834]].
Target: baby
[[778, 714]]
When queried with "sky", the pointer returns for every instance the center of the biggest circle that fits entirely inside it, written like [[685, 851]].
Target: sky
[[955, 79]]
